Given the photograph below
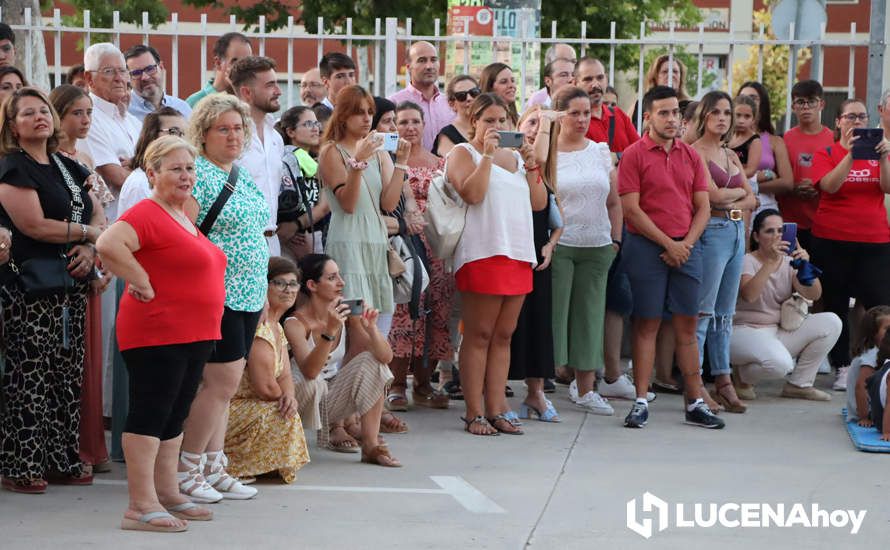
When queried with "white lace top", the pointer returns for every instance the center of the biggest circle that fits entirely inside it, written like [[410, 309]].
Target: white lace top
[[500, 225], [583, 187]]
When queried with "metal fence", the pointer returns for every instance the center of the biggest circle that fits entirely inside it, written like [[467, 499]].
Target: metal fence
[[389, 35]]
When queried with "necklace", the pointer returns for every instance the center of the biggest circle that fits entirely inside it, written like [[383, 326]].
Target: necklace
[[181, 218]]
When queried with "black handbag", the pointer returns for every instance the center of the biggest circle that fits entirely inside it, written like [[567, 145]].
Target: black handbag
[[42, 277]]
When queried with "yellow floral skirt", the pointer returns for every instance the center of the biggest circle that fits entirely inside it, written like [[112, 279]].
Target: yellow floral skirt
[[259, 440]]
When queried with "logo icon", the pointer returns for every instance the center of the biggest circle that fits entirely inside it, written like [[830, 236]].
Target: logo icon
[[650, 503]]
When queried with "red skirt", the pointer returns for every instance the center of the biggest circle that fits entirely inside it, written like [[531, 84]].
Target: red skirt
[[498, 275]]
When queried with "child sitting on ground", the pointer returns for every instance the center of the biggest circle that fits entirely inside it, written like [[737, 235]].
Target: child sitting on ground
[[878, 391], [872, 328]]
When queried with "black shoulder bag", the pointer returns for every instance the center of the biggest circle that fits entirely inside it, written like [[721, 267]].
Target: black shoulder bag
[[217, 206]]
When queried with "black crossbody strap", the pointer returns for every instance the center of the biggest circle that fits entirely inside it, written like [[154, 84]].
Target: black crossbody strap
[[220, 201], [611, 127]]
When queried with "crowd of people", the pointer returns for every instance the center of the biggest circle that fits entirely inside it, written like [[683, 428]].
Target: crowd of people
[[249, 276]]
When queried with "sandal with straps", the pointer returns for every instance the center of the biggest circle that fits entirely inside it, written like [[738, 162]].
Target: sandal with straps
[[380, 456], [392, 424], [396, 401], [482, 421], [729, 406], [26, 486], [192, 483], [497, 422], [227, 485]]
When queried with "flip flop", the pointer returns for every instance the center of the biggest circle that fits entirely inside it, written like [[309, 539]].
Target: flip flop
[[143, 523], [386, 427], [344, 446], [178, 511]]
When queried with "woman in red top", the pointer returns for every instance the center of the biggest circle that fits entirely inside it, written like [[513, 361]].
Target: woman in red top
[[851, 237], [167, 321]]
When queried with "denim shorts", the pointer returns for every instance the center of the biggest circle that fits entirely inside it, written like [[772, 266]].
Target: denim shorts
[[619, 298], [658, 288]]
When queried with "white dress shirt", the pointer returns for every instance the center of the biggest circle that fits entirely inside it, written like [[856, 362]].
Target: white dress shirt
[[263, 160]]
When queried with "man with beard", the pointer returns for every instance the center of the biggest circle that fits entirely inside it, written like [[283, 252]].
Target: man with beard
[[423, 89], [607, 124], [256, 84], [664, 195], [148, 76], [312, 89], [230, 47]]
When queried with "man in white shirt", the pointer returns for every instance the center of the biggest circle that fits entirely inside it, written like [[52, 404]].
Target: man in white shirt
[[423, 89], [113, 132], [255, 83], [337, 71], [312, 89], [556, 51], [148, 76]]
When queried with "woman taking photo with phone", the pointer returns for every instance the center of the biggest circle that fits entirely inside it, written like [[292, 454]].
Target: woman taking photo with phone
[[851, 237], [494, 258]]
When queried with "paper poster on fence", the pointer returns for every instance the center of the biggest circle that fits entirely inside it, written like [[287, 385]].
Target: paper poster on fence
[[491, 19]]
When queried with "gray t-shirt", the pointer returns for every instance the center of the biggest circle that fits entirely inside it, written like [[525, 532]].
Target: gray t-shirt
[[766, 310]]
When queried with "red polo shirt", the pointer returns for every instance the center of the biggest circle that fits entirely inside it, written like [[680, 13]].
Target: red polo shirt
[[625, 133], [665, 181]]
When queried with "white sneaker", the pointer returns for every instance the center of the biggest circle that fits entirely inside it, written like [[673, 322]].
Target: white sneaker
[[622, 388], [227, 486], [594, 403], [840, 383], [192, 483], [573, 391]]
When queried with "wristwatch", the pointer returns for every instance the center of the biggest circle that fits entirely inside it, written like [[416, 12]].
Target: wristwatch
[[327, 337]]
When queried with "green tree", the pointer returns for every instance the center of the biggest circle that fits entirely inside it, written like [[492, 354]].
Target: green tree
[[599, 14], [101, 14]]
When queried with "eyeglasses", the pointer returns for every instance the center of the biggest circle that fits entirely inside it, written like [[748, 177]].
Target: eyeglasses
[[311, 85], [812, 102], [172, 131], [226, 130], [472, 92], [310, 124], [853, 117], [149, 70], [109, 72], [285, 285], [564, 74]]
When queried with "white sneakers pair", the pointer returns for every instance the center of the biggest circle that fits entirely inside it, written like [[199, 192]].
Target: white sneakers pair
[[591, 401], [217, 484]]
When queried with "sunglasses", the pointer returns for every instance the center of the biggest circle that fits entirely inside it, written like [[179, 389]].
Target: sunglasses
[[462, 96]]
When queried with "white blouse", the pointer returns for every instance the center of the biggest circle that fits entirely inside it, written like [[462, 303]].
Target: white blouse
[[500, 225], [583, 186]]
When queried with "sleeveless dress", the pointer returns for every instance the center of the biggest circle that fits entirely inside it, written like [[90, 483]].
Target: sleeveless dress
[[452, 133], [407, 336], [358, 242]]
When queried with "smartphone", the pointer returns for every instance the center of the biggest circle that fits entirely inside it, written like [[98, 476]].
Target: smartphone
[[390, 141], [864, 147], [356, 306], [789, 234], [510, 139]]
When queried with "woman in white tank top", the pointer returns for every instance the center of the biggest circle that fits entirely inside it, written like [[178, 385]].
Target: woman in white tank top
[[494, 258]]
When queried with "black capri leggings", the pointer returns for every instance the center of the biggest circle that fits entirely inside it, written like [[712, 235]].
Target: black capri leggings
[[163, 383], [851, 270]]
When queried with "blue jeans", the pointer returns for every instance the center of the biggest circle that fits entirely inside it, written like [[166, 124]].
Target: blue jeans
[[723, 248]]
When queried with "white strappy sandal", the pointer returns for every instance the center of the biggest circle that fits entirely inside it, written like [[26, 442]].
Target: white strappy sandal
[[192, 483], [228, 486]]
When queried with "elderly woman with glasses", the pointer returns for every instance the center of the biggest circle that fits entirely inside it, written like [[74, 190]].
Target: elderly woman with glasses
[[265, 432], [165, 330], [220, 127]]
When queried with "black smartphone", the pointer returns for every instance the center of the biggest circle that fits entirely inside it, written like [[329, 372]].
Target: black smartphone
[[789, 234], [510, 139], [356, 306], [864, 147]]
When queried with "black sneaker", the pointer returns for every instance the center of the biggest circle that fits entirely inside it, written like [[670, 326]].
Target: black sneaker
[[702, 416], [549, 386], [637, 417]]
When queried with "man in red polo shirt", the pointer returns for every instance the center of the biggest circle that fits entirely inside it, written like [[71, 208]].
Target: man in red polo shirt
[[664, 195], [607, 125]]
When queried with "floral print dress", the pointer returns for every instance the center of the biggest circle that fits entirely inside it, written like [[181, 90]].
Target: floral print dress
[[407, 333]]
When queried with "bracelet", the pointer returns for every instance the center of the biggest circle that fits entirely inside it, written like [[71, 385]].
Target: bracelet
[[83, 233], [487, 156], [400, 166], [356, 164], [327, 337], [534, 168]]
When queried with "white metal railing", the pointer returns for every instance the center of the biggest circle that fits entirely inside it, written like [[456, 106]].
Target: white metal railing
[[388, 35]]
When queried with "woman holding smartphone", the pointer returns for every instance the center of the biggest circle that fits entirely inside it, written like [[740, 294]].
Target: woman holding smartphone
[[494, 258], [851, 237]]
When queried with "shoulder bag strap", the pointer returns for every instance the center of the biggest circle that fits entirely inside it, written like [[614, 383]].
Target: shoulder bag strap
[[216, 208], [611, 126]]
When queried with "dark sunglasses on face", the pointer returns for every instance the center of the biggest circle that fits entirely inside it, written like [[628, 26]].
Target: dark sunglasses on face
[[472, 92]]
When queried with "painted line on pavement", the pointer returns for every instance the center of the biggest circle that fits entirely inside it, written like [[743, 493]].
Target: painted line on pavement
[[456, 487]]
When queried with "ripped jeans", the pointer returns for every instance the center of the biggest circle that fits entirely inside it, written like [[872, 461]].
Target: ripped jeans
[[723, 248]]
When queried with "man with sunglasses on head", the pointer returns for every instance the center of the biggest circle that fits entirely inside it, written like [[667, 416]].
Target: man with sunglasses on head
[[148, 77], [803, 141], [423, 89]]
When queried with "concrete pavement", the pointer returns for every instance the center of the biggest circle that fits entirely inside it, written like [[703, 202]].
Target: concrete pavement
[[560, 486]]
